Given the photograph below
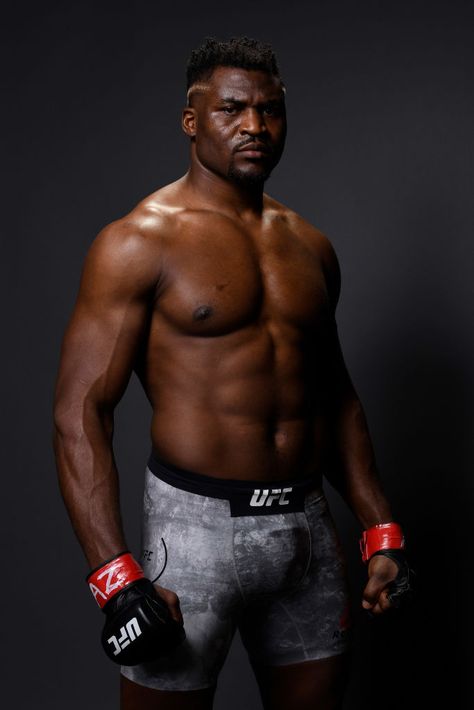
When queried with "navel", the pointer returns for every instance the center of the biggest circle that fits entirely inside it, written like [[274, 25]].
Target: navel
[[202, 313]]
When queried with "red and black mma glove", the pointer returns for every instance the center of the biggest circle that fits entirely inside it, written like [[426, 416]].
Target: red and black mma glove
[[139, 626], [388, 539]]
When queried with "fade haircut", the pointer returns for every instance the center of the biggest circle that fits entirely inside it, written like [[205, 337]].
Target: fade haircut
[[241, 52]]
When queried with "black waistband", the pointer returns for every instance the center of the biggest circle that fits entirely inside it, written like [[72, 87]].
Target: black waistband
[[252, 497]]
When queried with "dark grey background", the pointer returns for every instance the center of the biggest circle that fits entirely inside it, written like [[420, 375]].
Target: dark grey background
[[380, 157]]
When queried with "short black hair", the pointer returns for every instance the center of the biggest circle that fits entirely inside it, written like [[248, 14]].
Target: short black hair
[[241, 52]]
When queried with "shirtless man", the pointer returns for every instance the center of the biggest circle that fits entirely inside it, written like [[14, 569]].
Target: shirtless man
[[222, 300]]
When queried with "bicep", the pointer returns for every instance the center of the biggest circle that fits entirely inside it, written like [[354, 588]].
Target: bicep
[[332, 273], [107, 324], [338, 380], [98, 352], [338, 373]]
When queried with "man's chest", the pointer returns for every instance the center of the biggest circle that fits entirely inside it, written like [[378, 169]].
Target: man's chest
[[220, 280]]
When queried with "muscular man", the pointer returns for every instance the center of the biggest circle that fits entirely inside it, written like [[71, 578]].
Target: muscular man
[[222, 301]]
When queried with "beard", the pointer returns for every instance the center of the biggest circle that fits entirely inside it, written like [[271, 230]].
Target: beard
[[248, 179]]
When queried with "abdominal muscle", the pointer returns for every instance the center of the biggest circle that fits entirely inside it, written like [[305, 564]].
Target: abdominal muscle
[[235, 448], [244, 411]]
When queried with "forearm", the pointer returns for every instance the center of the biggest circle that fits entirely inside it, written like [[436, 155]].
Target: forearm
[[89, 483], [352, 468]]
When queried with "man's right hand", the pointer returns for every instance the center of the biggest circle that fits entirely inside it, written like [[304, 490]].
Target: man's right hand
[[172, 600], [140, 626]]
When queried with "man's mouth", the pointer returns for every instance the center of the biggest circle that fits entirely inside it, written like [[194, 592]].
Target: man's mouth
[[254, 150]]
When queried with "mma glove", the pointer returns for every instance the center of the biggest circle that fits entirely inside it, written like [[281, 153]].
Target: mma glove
[[139, 626], [388, 539]]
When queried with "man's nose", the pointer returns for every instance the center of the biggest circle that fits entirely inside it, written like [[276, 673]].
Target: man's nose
[[252, 122]]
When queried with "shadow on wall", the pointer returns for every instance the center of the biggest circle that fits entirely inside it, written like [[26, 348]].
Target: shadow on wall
[[414, 659]]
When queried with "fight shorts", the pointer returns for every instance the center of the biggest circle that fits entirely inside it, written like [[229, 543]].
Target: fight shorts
[[263, 557]]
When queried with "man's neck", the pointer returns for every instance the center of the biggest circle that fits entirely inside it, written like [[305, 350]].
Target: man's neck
[[224, 194]]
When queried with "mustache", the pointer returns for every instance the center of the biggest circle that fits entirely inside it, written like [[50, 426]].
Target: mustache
[[262, 145]]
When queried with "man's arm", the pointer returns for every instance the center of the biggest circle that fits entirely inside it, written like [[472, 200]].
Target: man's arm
[[108, 323], [351, 468]]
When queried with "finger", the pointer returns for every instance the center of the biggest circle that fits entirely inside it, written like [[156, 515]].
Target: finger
[[382, 606], [172, 600], [376, 591], [372, 591], [384, 602]]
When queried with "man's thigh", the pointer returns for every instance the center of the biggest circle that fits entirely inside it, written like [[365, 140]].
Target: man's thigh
[[310, 685], [138, 697]]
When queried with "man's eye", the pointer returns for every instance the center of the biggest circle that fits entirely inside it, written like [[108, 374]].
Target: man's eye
[[229, 109]]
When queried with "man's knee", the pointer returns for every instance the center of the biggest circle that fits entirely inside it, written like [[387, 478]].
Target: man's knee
[[317, 683]]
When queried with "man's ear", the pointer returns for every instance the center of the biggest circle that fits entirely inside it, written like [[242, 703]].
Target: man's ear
[[189, 121]]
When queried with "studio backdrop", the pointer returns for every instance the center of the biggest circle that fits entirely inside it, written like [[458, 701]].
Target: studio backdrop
[[379, 157]]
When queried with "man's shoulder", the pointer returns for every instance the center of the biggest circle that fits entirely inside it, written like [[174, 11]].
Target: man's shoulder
[[143, 225], [127, 254], [300, 226]]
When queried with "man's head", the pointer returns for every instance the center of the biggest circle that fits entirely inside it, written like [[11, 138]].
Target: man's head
[[235, 99]]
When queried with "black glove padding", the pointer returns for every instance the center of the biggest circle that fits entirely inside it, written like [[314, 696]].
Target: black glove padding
[[400, 590], [139, 626]]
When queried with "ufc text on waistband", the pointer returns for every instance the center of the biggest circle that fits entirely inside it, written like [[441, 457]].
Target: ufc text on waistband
[[245, 497]]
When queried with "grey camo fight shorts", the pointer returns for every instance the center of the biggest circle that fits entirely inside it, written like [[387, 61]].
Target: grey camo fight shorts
[[261, 557]]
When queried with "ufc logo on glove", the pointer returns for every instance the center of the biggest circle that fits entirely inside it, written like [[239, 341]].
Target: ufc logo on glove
[[135, 613], [128, 633]]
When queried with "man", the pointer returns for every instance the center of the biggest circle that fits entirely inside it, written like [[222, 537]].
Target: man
[[222, 300]]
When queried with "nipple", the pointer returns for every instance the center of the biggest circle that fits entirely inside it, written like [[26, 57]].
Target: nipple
[[202, 313]]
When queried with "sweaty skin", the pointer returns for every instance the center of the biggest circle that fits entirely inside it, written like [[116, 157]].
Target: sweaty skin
[[222, 301]]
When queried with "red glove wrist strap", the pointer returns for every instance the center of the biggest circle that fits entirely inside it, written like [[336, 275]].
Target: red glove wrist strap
[[109, 579], [384, 536]]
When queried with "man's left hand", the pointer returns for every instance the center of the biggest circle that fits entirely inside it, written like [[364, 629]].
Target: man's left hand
[[382, 571], [390, 582]]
